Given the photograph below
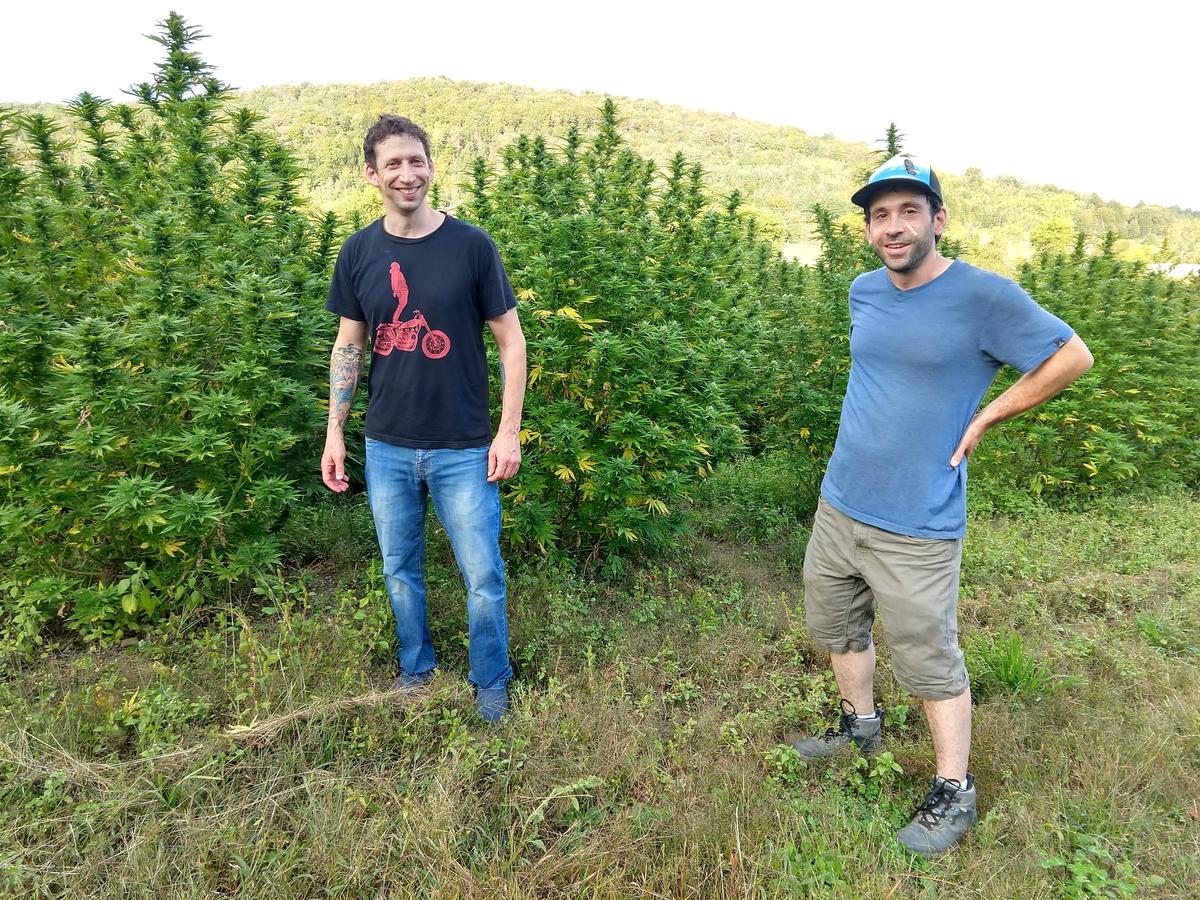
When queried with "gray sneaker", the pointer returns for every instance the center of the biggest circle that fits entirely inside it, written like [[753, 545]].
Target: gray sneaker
[[943, 818], [867, 736]]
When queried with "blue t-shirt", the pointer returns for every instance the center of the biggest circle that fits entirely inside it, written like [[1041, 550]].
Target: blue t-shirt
[[921, 362], [425, 301]]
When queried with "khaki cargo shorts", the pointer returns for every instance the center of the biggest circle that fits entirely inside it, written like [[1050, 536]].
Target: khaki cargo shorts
[[850, 568]]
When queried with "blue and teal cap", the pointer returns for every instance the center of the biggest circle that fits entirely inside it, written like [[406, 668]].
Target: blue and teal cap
[[898, 172]]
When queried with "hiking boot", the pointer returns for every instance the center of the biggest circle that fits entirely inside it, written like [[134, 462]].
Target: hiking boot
[[492, 703], [413, 684], [944, 816], [851, 731]]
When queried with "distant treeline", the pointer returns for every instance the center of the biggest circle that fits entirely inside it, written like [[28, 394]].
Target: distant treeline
[[781, 172]]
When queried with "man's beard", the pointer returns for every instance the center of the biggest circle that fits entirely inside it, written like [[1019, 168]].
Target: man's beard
[[922, 247]]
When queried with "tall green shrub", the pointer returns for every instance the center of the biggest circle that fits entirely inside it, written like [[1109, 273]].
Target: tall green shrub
[[664, 336], [158, 357], [1133, 421]]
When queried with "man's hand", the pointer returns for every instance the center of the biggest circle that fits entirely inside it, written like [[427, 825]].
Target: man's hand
[[966, 446], [504, 457], [333, 463]]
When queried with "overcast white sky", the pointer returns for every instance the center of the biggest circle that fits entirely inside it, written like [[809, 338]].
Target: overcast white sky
[[1093, 96]]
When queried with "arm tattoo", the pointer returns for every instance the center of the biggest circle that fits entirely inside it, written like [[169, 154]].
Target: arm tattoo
[[345, 365]]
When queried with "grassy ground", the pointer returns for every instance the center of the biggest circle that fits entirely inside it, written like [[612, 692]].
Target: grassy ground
[[249, 752]]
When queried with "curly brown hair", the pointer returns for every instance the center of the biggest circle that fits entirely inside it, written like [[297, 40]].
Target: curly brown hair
[[388, 125]]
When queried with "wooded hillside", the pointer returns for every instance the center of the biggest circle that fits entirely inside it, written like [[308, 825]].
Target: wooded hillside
[[780, 171]]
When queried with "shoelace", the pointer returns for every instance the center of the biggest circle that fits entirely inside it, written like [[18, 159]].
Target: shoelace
[[845, 727], [936, 804]]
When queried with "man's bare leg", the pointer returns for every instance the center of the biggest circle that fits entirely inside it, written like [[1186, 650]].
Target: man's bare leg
[[855, 675], [950, 725]]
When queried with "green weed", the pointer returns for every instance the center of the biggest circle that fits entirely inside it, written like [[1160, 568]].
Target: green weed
[[1091, 870], [1162, 634], [801, 872], [1005, 663]]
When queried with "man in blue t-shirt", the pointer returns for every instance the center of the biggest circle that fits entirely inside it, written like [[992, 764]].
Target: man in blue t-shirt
[[421, 286], [927, 336]]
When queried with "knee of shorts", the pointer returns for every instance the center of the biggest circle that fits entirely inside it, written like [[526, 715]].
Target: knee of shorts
[[838, 630], [840, 645], [839, 622], [938, 679]]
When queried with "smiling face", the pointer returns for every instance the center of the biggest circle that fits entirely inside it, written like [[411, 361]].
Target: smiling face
[[902, 229], [402, 172]]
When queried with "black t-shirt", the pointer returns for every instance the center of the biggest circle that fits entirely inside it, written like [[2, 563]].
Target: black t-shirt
[[425, 301]]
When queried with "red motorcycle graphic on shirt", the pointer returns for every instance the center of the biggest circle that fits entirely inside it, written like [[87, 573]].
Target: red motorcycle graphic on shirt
[[397, 335]]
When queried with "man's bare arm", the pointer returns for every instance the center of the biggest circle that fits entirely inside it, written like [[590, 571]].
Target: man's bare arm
[[345, 367], [504, 458], [1032, 389]]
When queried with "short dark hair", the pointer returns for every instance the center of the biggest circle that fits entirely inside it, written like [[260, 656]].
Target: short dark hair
[[389, 125]]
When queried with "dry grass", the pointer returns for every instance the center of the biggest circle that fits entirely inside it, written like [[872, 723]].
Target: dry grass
[[642, 757]]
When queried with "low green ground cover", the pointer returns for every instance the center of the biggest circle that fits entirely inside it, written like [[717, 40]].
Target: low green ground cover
[[248, 751]]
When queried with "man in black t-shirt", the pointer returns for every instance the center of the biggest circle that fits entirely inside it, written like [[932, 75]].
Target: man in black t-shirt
[[421, 285]]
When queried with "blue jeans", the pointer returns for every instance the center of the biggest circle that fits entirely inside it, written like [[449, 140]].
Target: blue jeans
[[399, 479]]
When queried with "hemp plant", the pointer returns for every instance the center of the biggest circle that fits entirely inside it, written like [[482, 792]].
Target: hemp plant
[[662, 335], [159, 356]]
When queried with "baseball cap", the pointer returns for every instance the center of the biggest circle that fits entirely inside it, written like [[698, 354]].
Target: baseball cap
[[900, 172]]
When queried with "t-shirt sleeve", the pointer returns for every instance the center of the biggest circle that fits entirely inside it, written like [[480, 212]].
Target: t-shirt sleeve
[[1018, 332], [493, 293], [343, 299]]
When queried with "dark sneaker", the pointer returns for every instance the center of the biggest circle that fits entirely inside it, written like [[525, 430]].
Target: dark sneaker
[[412, 684], [867, 736], [492, 702], [946, 814]]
